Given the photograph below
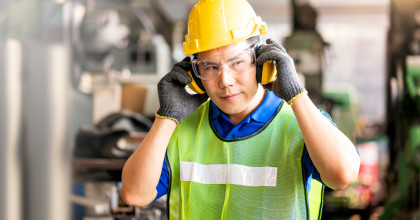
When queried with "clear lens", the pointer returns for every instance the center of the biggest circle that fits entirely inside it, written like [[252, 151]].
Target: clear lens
[[205, 69]]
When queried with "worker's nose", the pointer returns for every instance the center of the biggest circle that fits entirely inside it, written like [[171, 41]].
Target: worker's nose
[[226, 77]]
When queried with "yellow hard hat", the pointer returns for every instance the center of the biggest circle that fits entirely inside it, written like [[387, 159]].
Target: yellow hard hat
[[217, 23]]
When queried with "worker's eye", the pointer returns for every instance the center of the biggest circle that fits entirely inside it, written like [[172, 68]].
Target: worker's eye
[[204, 66], [237, 63], [211, 67]]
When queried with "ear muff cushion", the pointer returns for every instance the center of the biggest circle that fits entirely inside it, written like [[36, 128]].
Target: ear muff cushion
[[196, 84], [258, 68], [259, 73]]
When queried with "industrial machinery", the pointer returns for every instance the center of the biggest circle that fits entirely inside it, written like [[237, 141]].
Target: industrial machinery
[[114, 40], [101, 44], [307, 47], [403, 111], [120, 51]]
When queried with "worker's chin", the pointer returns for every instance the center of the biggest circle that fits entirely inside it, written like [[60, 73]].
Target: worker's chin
[[231, 104], [231, 108]]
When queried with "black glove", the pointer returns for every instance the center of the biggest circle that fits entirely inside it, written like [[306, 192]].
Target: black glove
[[287, 85], [175, 102]]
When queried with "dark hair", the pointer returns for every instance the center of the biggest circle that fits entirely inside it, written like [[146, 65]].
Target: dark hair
[[253, 40]]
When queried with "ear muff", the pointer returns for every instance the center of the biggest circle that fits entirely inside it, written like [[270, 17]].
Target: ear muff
[[266, 73], [196, 84]]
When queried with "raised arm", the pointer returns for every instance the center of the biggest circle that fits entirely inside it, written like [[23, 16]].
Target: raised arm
[[332, 153], [142, 170]]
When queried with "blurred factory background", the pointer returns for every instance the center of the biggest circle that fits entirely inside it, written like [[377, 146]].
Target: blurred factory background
[[78, 94]]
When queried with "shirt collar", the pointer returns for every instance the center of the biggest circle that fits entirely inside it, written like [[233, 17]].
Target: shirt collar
[[265, 110], [216, 112], [262, 114]]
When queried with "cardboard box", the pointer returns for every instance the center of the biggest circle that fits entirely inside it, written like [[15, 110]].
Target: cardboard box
[[133, 97], [106, 100]]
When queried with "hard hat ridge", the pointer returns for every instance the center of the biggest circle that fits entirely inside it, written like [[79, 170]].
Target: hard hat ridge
[[217, 23]]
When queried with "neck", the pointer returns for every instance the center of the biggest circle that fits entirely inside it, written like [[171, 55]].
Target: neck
[[256, 101]]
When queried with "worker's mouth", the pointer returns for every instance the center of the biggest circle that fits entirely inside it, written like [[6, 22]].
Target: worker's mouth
[[230, 97]]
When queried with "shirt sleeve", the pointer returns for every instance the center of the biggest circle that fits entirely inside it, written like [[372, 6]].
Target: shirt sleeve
[[310, 170], [162, 187]]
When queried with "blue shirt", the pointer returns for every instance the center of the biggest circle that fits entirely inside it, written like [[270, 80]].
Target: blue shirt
[[252, 123]]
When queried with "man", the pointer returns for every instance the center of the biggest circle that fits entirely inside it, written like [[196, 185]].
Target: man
[[247, 153]]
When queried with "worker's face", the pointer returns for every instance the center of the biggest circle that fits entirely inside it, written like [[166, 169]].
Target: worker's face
[[232, 91]]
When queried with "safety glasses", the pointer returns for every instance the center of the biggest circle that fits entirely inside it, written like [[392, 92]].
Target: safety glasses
[[208, 68]]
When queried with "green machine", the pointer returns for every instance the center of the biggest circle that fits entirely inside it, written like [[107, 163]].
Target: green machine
[[403, 111], [404, 179], [413, 79], [306, 46]]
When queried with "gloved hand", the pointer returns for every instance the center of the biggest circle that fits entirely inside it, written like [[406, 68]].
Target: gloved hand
[[175, 102], [287, 85]]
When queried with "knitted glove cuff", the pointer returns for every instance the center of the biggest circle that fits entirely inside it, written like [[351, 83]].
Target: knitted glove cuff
[[167, 112], [163, 117], [292, 91], [293, 99]]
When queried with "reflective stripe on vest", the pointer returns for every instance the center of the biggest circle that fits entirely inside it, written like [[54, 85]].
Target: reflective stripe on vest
[[228, 174]]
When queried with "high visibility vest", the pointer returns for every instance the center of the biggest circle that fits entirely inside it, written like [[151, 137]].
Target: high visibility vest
[[260, 176]]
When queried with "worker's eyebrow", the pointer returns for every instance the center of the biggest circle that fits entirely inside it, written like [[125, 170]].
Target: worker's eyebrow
[[209, 63], [235, 57]]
